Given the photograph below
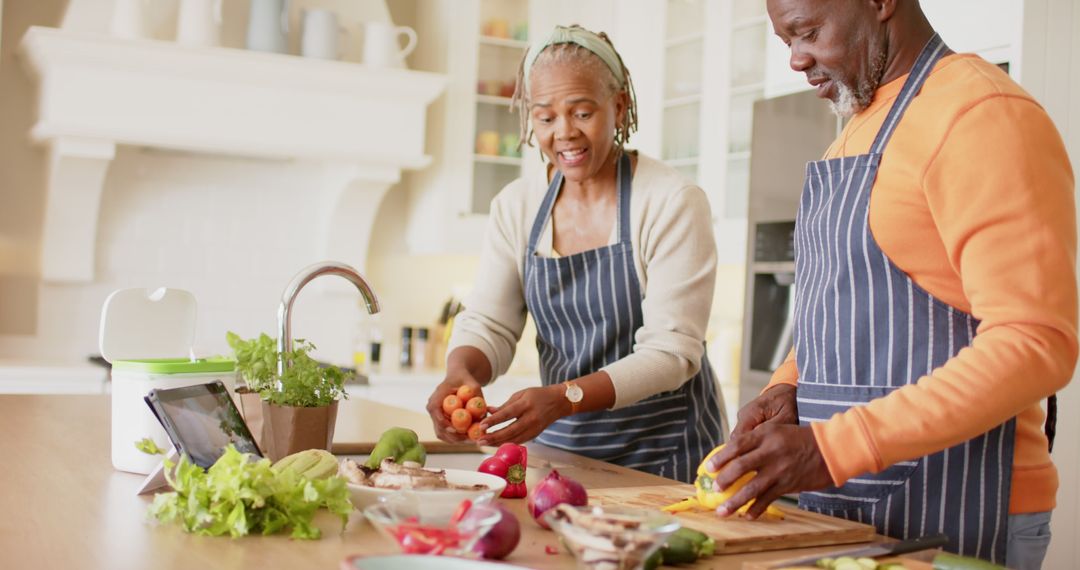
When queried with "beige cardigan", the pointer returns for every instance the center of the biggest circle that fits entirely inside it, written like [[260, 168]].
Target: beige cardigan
[[675, 257]]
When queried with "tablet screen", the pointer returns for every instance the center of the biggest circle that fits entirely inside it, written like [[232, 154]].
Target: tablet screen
[[202, 420]]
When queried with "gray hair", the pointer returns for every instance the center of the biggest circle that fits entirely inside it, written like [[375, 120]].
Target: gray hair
[[573, 53]]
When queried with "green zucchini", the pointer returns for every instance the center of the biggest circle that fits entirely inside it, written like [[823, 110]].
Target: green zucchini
[[695, 535], [846, 563], [679, 550], [706, 545], [708, 548], [947, 561], [655, 560]]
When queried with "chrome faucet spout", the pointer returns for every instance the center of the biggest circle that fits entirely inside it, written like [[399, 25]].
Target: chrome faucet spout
[[305, 276]]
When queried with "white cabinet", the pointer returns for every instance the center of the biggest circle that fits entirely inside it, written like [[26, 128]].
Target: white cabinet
[[997, 38], [697, 65], [711, 71], [503, 39], [478, 44], [52, 377]]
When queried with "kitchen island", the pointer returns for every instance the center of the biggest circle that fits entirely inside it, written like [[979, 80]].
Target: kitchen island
[[65, 507]]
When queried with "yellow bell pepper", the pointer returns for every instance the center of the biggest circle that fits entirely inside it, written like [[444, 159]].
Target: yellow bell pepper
[[688, 504], [707, 499]]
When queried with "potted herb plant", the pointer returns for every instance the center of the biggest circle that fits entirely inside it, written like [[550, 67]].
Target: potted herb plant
[[296, 409]]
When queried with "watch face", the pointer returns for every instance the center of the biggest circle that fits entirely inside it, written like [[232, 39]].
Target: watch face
[[574, 393]]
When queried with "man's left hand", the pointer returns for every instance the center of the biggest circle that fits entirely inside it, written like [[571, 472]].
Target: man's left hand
[[786, 458]]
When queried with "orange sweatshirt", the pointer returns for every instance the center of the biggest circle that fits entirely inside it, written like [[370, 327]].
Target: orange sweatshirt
[[974, 201]]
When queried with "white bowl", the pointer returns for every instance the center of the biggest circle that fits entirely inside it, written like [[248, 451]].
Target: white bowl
[[362, 495], [413, 561]]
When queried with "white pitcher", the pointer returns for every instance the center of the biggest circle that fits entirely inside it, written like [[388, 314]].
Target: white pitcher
[[128, 19], [199, 23], [268, 24], [381, 47], [320, 35]]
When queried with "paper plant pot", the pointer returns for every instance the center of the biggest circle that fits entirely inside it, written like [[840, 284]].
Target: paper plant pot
[[288, 429], [252, 410]]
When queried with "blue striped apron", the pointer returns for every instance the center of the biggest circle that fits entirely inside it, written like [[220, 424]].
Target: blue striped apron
[[865, 329], [587, 308]]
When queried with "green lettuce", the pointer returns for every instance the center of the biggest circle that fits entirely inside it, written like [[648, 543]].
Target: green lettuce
[[239, 496], [149, 447]]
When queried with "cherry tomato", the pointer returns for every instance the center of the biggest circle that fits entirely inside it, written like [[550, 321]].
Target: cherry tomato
[[451, 403], [467, 392], [477, 407], [461, 419]]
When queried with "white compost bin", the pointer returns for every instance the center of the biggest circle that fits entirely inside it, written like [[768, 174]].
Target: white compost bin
[[148, 337]]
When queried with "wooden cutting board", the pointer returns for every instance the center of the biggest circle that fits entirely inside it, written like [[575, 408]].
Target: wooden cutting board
[[736, 534]]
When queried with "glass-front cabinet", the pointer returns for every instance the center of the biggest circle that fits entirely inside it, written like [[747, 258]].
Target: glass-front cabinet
[[713, 72], [684, 66], [503, 39]]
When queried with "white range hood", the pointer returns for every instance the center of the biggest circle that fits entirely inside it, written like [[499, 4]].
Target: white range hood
[[363, 124]]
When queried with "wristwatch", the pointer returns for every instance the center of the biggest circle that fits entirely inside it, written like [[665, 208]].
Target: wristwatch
[[574, 395]]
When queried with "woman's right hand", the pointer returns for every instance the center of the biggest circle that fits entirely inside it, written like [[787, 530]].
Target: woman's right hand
[[450, 385]]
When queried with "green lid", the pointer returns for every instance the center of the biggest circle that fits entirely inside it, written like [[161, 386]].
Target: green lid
[[176, 365]]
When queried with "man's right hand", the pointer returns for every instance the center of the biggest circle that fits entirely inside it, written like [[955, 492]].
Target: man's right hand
[[775, 405], [454, 380]]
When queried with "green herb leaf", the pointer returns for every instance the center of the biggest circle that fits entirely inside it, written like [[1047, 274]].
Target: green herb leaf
[[304, 384], [256, 360], [240, 495]]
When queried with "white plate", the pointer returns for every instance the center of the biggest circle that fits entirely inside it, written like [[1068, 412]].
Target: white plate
[[411, 562], [362, 495]]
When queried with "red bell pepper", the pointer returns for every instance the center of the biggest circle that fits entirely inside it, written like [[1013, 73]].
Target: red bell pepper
[[509, 463]]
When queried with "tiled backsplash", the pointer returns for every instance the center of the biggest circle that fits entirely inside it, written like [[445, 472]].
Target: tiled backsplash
[[232, 231]]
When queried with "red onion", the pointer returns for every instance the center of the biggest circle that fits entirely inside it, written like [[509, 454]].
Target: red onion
[[503, 538], [554, 490]]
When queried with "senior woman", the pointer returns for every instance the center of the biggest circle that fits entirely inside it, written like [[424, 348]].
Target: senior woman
[[613, 255]]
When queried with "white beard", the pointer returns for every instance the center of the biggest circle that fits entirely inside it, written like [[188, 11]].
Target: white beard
[[851, 100], [846, 104]]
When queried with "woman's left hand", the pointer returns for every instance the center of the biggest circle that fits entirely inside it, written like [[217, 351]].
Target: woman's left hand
[[532, 409]]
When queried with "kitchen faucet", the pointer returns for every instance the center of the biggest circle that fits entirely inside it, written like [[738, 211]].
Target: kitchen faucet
[[304, 277]]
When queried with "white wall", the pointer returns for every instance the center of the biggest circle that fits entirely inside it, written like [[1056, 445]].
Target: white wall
[[994, 33], [1051, 72], [233, 231], [22, 170]]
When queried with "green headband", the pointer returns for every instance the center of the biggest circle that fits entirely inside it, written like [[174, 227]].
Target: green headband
[[582, 37]]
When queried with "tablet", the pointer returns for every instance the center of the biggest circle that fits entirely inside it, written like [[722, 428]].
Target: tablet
[[201, 420]]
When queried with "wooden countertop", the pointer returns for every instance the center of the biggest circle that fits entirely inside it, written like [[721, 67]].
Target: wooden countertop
[[64, 506]]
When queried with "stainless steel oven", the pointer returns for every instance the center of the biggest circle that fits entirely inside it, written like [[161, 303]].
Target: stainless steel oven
[[788, 132]]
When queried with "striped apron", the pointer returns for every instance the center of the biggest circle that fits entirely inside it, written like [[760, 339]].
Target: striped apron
[[865, 329], [587, 308]]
